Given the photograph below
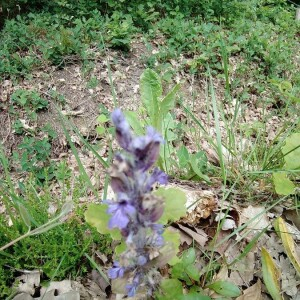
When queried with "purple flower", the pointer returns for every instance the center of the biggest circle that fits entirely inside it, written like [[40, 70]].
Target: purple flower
[[156, 176], [123, 132], [116, 271], [121, 213], [146, 149], [131, 288]]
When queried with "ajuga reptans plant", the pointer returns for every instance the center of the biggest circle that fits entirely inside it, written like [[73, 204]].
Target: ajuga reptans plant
[[135, 209]]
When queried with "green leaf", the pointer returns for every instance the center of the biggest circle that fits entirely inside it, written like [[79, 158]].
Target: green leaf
[[168, 102], [271, 275], [151, 90], [291, 151], [183, 156], [175, 200], [120, 248], [225, 288], [193, 272], [194, 296], [102, 119], [172, 239], [188, 257], [100, 130], [194, 164], [24, 215], [97, 216], [288, 242], [134, 122], [171, 288], [283, 185]]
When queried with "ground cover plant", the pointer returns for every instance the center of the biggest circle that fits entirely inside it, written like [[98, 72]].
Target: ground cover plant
[[219, 83]]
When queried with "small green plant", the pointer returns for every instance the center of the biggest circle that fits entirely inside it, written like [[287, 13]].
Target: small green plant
[[34, 157], [29, 100]]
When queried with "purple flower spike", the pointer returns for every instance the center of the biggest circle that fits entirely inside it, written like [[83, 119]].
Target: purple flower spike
[[146, 149], [121, 212], [123, 132], [116, 271], [136, 209]]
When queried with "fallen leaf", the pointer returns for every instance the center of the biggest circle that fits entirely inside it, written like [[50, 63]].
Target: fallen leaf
[[288, 242], [252, 293], [257, 218], [271, 275], [200, 237]]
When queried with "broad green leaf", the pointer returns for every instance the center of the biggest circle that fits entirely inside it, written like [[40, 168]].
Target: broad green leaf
[[24, 215], [179, 272], [151, 90], [271, 275], [97, 216], [134, 122], [193, 272], [168, 102], [195, 296], [175, 200], [291, 150], [225, 288], [188, 257], [283, 186], [288, 243], [171, 288], [172, 239]]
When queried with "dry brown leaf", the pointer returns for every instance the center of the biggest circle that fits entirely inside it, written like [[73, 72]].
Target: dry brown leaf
[[200, 237], [252, 293], [259, 219], [243, 270]]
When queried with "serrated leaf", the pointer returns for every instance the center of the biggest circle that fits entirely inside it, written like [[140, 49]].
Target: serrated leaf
[[172, 239], [151, 90], [188, 257], [291, 151], [225, 288], [271, 275], [24, 215], [97, 216], [134, 122], [175, 200], [288, 243], [283, 186]]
